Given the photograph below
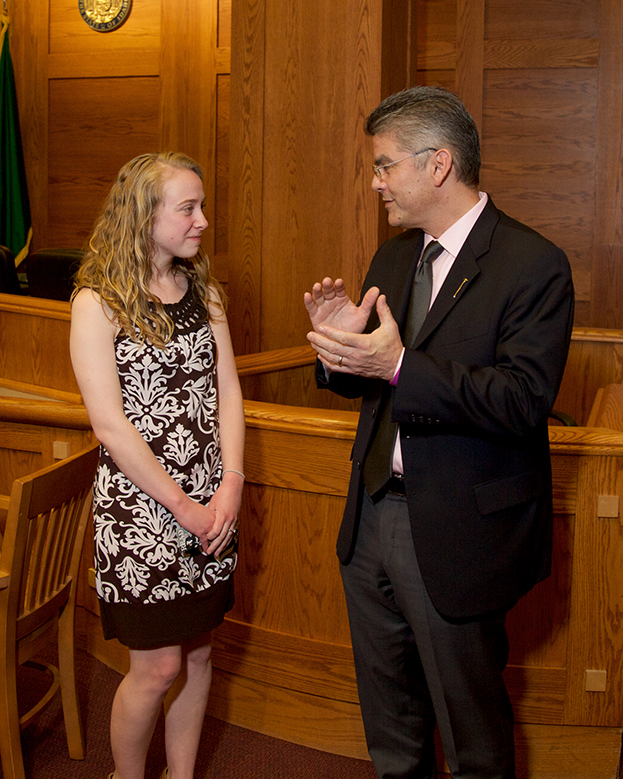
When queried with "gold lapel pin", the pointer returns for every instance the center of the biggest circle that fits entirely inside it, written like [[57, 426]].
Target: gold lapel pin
[[460, 288]]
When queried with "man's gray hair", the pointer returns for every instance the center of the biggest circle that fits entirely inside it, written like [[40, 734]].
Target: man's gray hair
[[430, 117]]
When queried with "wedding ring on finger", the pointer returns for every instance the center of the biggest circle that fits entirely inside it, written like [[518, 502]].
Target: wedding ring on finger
[[339, 362]]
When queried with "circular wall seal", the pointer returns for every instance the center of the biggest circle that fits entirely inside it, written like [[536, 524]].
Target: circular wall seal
[[104, 15]]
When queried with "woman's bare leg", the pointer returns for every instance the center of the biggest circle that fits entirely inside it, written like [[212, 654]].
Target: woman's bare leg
[[137, 704], [185, 707]]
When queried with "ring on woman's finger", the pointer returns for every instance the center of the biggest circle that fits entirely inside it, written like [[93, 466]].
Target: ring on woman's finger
[[339, 362]]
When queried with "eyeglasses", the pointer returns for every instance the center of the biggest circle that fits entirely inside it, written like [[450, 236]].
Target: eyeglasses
[[379, 170]]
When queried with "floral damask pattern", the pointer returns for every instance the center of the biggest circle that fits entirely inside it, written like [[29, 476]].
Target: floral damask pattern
[[170, 396]]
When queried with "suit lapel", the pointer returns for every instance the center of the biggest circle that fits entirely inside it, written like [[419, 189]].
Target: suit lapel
[[398, 278], [463, 272]]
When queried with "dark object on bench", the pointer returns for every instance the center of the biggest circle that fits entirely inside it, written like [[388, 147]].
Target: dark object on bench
[[50, 272]]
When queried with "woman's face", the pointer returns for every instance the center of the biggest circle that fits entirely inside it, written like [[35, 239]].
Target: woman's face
[[179, 220]]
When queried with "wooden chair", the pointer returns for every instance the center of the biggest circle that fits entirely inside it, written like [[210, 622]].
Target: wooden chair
[[48, 514]]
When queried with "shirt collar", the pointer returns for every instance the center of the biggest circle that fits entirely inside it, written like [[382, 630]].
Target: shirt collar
[[455, 236]]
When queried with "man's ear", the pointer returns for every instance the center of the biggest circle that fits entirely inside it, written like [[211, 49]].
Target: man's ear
[[441, 162]]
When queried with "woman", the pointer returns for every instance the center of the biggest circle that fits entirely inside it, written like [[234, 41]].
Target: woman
[[152, 354]]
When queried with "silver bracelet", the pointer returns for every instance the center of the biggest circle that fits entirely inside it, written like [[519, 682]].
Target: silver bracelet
[[233, 470]]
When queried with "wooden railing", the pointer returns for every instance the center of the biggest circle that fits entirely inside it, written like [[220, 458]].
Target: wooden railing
[[283, 663]]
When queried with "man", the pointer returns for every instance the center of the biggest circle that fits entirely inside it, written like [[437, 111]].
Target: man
[[448, 516]]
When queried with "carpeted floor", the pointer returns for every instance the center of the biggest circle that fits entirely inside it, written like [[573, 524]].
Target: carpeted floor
[[226, 751]]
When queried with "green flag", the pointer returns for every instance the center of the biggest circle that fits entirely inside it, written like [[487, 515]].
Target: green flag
[[15, 226]]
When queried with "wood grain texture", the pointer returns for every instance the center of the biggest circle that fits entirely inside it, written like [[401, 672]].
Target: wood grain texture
[[88, 116], [607, 410], [595, 640], [28, 340], [609, 130], [282, 656], [470, 30], [301, 203], [549, 147], [188, 90], [316, 722], [607, 285], [132, 63], [245, 204], [219, 257], [538, 154], [224, 23], [595, 360], [303, 236], [546, 752], [276, 658], [538, 20], [69, 34]]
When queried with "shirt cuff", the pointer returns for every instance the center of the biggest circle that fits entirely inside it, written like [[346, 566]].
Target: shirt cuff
[[394, 380]]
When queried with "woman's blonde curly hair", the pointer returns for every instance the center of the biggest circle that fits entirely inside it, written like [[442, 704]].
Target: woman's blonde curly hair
[[117, 261]]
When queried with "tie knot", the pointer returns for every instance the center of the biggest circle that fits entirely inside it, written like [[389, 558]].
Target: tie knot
[[432, 251]]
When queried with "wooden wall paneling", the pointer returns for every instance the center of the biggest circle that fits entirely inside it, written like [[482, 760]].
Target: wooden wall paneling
[[87, 118], [607, 276], [470, 30], [547, 752], [224, 24], [330, 725], [283, 661], [302, 206], [29, 52], [400, 26], [595, 360], [595, 639], [538, 156], [102, 88], [246, 172], [607, 272], [541, 20], [27, 448], [543, 643], [399, 58], [379, 52], [29, 335], [294, 386], [301, 596], [220, 260], [304, 172], [536, 49], [70, 35], [539, 128], [188, 99], [606, 284], [436, 34]]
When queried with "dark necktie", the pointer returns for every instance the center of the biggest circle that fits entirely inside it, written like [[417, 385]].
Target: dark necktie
[[377, 467], [421, 292]]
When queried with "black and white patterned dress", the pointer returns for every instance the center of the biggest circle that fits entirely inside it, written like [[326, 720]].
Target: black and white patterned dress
[[150, 592]]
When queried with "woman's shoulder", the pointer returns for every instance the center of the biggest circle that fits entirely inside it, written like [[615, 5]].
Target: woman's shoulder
[[88, 306]]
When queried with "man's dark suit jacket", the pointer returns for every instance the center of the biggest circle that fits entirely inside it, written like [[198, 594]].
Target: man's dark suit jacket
[[472, 400]]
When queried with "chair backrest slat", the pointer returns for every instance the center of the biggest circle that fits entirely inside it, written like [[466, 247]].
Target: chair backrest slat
[[43, 529]]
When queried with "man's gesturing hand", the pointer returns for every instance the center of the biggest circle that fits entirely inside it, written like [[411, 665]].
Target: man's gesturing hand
[[328, 304], [374, 355]]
